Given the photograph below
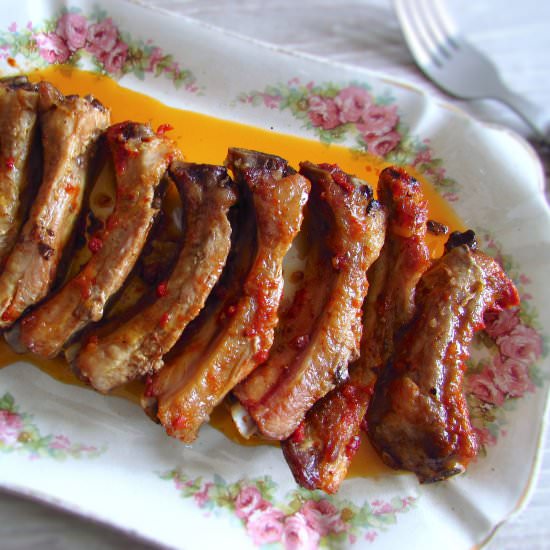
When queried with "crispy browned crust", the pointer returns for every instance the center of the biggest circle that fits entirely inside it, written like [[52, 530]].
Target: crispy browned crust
[[136, 347], [18, 122], [418, 419], [141, 158], [320, 333], [70, 127], [199, 376], [321, 449]]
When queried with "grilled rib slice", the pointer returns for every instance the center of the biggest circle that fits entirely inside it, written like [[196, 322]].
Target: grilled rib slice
[[418, 419], [199, 377], [320, 332], [70, 127], [136, 347], [18, 117], [320, 451], [141, 158]]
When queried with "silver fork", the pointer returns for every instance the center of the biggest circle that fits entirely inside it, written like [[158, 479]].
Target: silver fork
[[456, 66]]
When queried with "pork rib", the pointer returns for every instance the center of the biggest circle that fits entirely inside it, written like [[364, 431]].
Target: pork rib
[[418, 419], [136, 347], [18, 117], [320, 451], [70, 127], [197, 379], [320, 333], [141, 158]]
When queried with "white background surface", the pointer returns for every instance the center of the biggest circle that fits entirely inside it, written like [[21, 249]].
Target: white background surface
[[363, 33]]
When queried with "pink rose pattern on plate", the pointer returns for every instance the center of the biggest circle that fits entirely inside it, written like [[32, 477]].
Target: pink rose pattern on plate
[[336, 113], [303, 520], [510, 351], [18, 433], [73, 38]]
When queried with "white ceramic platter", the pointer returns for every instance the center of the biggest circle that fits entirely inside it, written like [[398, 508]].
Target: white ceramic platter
[[102, 458]]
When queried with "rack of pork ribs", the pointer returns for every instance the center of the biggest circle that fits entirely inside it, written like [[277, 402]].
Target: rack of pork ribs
[[207, 322]]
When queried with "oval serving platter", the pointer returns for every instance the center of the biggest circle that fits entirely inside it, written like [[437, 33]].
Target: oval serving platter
[[101, 458]]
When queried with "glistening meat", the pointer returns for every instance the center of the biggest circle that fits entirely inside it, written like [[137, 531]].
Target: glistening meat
[[320, 450], [418, 419], [193, 382], [141, 158], [18, 123], [70, 127], [136, 346], [320, 333]]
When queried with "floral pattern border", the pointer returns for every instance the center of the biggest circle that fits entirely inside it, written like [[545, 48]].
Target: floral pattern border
[[510, 351], [18, 433], [337, 114], [73, 38], [304, 520]]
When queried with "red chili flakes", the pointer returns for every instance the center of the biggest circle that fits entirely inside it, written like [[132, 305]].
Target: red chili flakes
[[93, 340], [85, 290], [8, 315], [212, 381], [300, 342], [353, 446], [227, 313], [338, 262], [163, 128], [343, 181], [349, 391], [339, 176], [299, 434], [250, 331], [121, 157], [163, 321], [149, 389], [28, 320], [179, 422], [260, 356], [10, 163], [230, 310], [73, 191], [162, 289], [95, 244], [112, 222]]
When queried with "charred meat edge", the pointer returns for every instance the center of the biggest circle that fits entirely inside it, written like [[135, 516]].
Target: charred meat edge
[[18, 123], [318, 340], [320, 450], [187, 391], [418, 419], [70, 127], [141, 158], [136, 347]]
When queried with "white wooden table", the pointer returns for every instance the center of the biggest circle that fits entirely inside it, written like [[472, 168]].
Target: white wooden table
[[362, 33]]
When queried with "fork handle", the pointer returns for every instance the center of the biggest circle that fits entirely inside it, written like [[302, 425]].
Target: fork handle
[[538, 119]]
